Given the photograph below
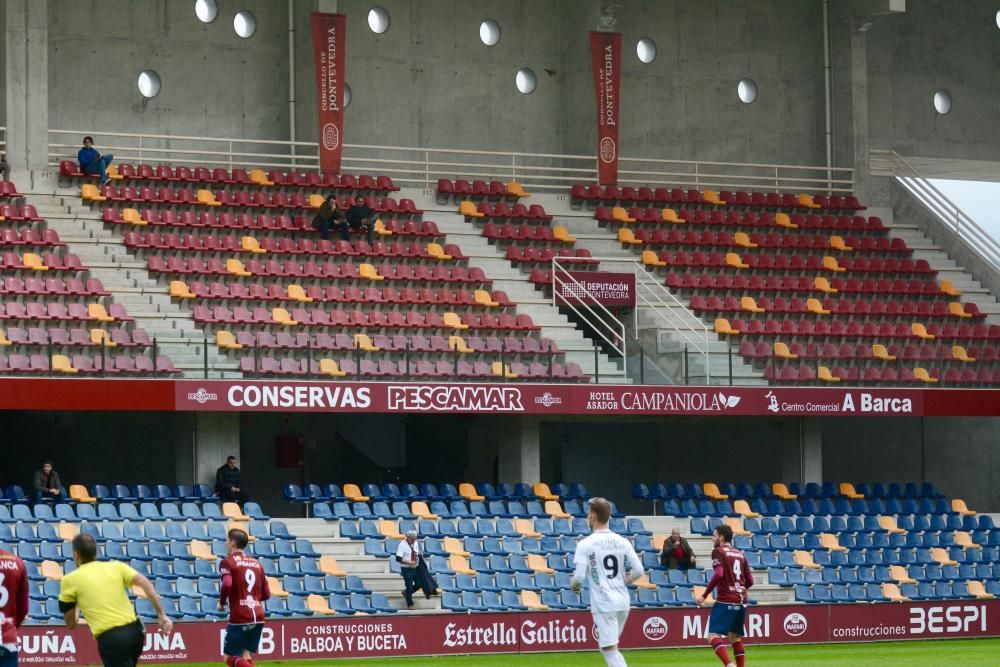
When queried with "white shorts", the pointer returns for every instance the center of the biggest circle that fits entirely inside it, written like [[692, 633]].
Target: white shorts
[[609, 626]]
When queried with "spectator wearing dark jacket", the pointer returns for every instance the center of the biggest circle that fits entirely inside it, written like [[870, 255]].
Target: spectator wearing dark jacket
[[91, 160], [227, 482], [360, 218], [677, 553], [46, 484], [330, 217]]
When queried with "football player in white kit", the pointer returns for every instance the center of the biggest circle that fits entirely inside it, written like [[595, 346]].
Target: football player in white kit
[[602, 559]]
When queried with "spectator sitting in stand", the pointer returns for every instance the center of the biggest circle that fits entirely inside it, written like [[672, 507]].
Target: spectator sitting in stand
[[330, 217], [677, 553], [227, 482], [91, 160], [46, 484], [360, 218], [4, 167]]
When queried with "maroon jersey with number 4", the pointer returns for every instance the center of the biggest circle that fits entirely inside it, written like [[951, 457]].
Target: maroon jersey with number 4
[[736, 576], [13, 597], [244, 587]]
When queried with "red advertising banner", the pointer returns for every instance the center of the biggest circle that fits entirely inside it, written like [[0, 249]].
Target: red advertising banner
[[605, 61], [328, 36], [530, 632], [594, 287]]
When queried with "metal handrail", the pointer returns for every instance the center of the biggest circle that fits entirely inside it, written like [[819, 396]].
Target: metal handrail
[[975, 237], [611, 332]]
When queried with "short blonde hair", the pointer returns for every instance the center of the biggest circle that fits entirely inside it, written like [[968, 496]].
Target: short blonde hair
[[601, 509]]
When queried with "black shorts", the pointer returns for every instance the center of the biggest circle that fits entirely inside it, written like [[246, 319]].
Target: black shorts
[[121, 646], [8, 658], [240, 638]]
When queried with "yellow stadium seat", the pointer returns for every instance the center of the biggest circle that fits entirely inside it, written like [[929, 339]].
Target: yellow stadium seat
[[353, 493], [61, 364], [964, 540], [453, 545], [805, 559], [698, 591], [3, 338], [562, 234], [468, 491], [829, 542], [380, 229], [837, 243], [249, 244], [235, 267], [365, 344], [781, 490], [830, 264], [619, 214], [736, 524], [891, 592], [330, 367], [537, 563], [469, 210], [626, 236], [499, 369], [712, 197], [368, 272], [296, 293], [955, 309], [815, 306], [649, 258], [328, 565], [89, 192], [259, 177], [941, 556], [781, 350], [880, 352], [847, 489], [711, 489], [207, 198], [454, 321], [920, 331], [201, 550], [807, 202], [275, 587], [958, 505], [900, 575], [457, 343], [96, 312], [131, 216], [460, 565], [742, 239], [542, 490], [948, 288], [484, 298], [233, 511], [554, 510], [241, 525], [138, 592], [67, 531], [315, 200], [437, 252], [976, 588], [514, 189], [644, 582], [112, 172], [748, 304], [888, 523], [79, 493], [733, 260], [782, 220], [722, 326], [388, 529], [33, 262], [670, 215], [531, 600], [658, 540], [281, 316], [179, 289], [823, 285], [526, 528], [958, 353], [421, 511], [921, 374], [51, 570], [317, 604], [824, 374], [742, 508]]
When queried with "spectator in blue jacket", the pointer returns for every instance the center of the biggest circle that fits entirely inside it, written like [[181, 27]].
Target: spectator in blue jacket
[[91, 160]]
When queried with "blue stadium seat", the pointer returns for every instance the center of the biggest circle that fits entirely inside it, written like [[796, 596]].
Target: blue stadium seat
[[512, 601]]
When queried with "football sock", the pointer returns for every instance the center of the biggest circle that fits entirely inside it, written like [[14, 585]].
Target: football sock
[[738, 654], [234, 661], [614, 658], [719, 646]]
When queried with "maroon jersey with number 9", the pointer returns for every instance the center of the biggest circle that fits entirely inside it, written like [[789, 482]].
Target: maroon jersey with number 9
[[248, 589], [736, 575], [13, 596]]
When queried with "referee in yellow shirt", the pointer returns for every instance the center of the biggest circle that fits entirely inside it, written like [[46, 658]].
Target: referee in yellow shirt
[[97, 590]]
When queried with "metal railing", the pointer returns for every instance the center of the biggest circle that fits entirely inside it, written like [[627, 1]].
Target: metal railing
[[422, 167], [586, 306], [974, 236]]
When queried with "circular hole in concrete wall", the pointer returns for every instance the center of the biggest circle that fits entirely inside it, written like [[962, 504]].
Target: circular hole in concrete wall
[[942, 102], [206, 10], [747, 90], [526, 81], [149, 83], [244, 23], [646, 50], [347, 95], [489, 32], [378, 20]]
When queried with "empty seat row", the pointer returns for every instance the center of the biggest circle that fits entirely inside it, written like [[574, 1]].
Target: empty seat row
[[328, 270], [773, 283], [333, 293], [461, 188], [489, 345], [427, 491], [57, 337], [626, 194], [669, 217], [500, 211]]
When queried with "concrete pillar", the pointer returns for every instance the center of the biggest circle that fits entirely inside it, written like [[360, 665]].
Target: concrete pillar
[[811, 447], [26, 82], [214, 436], [519, 451], [859, 110]]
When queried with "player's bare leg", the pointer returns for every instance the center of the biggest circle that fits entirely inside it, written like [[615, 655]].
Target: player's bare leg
[[739, 655], [613, 657], [718, 645]]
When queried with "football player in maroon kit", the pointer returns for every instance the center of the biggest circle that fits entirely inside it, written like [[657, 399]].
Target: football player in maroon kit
[[731, 578], [244, 588], [13, 605]]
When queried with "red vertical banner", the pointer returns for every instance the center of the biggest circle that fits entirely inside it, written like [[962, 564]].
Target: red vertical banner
[[328, 33], [606, 60]]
